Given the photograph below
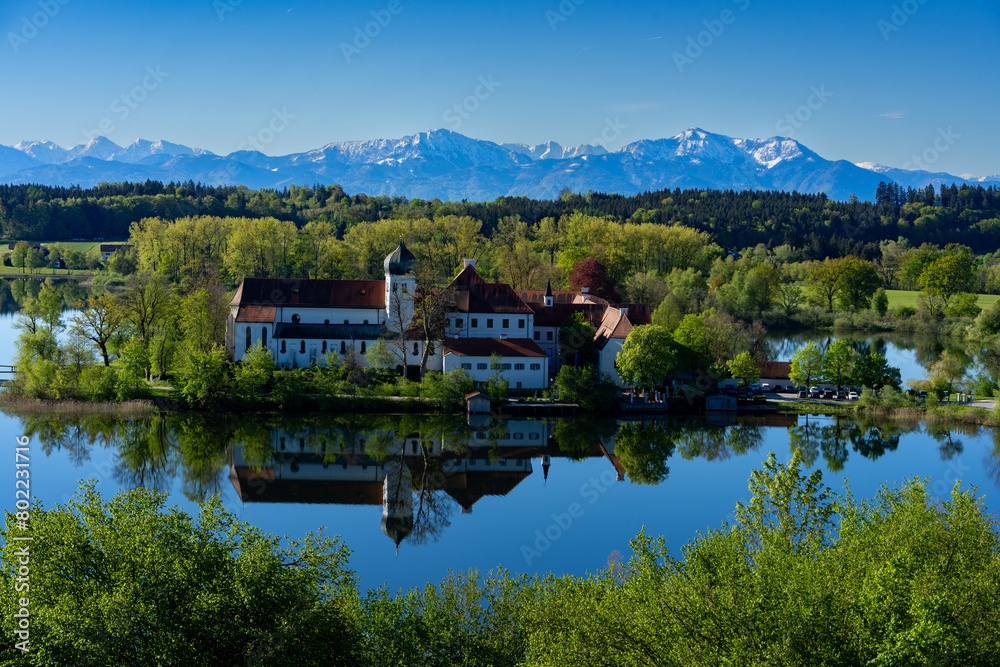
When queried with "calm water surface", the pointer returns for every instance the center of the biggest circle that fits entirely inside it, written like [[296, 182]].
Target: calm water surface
[[459, 496]]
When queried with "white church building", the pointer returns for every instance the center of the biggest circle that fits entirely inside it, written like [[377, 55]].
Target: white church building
[[302, 321]]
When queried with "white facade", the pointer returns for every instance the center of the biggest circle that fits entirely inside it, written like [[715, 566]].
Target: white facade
[[520, 372]]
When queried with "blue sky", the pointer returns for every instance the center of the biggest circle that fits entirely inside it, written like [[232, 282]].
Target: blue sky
[[878, 80]]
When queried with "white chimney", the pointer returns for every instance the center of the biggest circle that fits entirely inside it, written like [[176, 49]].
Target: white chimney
[[584, 290], [468, 261], [624, 311]]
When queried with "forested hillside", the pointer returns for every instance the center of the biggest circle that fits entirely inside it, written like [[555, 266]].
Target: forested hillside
[[813, 224]]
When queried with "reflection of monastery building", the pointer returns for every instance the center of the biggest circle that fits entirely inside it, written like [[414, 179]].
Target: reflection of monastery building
[[301, 321], [318, 466]]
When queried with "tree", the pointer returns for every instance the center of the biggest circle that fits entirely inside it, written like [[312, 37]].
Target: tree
[[948, 368], [146, 304], [204, 378], [132, 581], [691, 337], [880, 302], [99, 320], [872, 370], [432, 305], [593, 275], [648, 356], [252, 375], [945, 277], [860, 280], [838, 363], [744, 368], [585, 387], [807, 364], [825, 280], [576, 342], [18, 254]]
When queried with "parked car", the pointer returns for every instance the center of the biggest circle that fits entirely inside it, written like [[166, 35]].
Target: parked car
[[828, 393], [803, 393], [777, 387], [853, 396], [765, 387], [922, 394], [814, 392]]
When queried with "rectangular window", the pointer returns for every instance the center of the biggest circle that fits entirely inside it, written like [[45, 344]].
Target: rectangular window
[[518, 386], [518, 367], [475, 323], [506, 324], [459, 323], [489, 323], [481, 366], [532, 436], [536, 367], [548, 335], [519, 436], [467, 367], [505, 367], [538, 335], [520, 324]]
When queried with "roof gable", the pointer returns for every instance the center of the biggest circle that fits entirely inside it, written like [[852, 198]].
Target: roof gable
[[310, 293], [475, 295]]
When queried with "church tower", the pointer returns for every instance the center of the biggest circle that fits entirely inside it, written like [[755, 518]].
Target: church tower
[[400, 284]]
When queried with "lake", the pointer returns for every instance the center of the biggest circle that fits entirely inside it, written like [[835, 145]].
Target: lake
[[414, 497], [456, 495]]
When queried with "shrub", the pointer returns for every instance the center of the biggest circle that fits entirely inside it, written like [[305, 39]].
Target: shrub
[[904, 312], [98, 383]]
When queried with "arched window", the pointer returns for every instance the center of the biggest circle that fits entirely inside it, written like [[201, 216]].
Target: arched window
[[248, 339], [362, 347], [415, 349], [343, 347], [324, 347], [282, 347], [295, 318], [263, 336], [302, 347]]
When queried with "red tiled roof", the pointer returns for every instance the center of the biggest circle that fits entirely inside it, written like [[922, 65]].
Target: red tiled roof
[[310, 293], [557, 314], [533, 296], [615, 324], [256, 314], [485, 347], [475, 295]]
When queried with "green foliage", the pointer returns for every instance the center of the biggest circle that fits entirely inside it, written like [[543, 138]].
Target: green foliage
[[904, 312], [648, 356], [874, 371], [204, 379], [98, 383], [252, 375], [880, 302], [585, 387], [576, 341], [807, 365], [643, 450], [838, 363], [129, 581], [744, 368]]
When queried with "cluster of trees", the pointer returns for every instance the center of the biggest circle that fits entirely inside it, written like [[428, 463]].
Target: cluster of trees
[[803, 576], [698, 348], [814, 224], [841, 364], [151, 329]]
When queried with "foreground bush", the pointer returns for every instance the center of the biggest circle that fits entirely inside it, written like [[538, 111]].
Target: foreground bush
[[804, 577]]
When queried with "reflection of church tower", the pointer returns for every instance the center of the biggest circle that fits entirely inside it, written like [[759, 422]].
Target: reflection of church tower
[[397, 501], [546, 462], [400, 284]]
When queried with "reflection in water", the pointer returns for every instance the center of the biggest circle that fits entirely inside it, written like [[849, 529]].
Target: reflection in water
[[422, 469]]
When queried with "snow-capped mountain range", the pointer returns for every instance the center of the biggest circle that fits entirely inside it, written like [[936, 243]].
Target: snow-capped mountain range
[[451, 166]]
